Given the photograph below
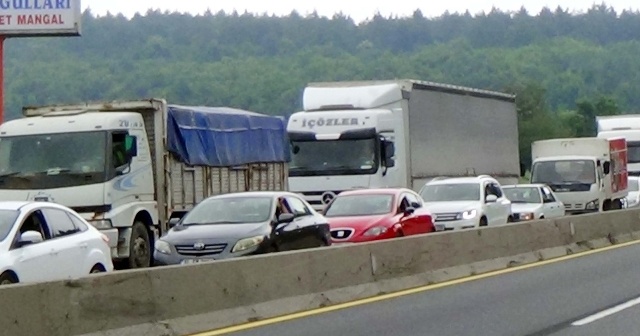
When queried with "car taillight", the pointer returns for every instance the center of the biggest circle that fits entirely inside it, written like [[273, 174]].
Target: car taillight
[[104, 238]]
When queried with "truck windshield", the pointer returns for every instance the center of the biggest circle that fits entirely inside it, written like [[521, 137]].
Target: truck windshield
[[633, 151], [565, 175], [334, 157], [42, 161]]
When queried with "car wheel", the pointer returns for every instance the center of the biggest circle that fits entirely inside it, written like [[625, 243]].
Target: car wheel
[[139, 247], [8, 278], [483, 221], [97, 269], [509, 219]]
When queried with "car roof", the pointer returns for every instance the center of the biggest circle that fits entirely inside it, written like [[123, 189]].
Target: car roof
[[462, 179], [524, 185], [254, 194], [17, 205], [375, 191]]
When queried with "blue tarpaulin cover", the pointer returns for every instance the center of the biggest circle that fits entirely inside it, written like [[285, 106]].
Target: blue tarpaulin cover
[[224, 137]]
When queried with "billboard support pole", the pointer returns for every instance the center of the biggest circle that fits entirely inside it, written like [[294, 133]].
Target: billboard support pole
[[2, 39]]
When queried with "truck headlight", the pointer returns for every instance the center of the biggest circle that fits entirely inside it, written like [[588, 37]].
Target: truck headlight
[[247, 243], [163, 247], [101, 224], [469, 214], [593, 205]]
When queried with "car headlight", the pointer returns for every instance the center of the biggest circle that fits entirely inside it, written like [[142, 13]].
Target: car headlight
[[247, 243], [469, 214], [375, 231], [163, 247], [593, 205], [101, 224], [527, 216]]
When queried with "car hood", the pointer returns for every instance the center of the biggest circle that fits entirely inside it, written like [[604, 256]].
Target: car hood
[[525, 207], [358, 223], [215, 231], [450, 207]]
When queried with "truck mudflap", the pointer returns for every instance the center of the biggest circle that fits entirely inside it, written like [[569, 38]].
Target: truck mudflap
[[122, 248]]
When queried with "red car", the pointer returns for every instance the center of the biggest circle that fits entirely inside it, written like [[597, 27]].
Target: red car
[[374, 214]]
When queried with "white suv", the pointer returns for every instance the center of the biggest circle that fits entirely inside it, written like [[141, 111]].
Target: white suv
[[466, 202]]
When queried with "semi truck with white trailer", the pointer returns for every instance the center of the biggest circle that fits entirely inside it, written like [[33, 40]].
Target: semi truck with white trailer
[[587, 174], [129, 167], [626, 126], [398, 133]]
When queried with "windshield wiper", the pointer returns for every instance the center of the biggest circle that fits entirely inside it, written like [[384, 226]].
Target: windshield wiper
[[54, 171], [9, 174]]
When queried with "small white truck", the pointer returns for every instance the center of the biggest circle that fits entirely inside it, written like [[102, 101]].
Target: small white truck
[[623, 126], [128, 167], [399, 133], [587, 174]]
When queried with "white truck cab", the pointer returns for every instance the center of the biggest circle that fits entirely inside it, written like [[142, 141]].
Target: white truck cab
[[337, 147], [95, 163], [587, 174]]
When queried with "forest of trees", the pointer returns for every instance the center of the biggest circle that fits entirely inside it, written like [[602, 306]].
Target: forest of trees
[[565, 67]]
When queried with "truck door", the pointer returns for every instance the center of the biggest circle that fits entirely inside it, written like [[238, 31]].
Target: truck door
[[551, 206]]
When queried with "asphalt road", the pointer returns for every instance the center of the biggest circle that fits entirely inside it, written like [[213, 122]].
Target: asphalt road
[[580, 296]]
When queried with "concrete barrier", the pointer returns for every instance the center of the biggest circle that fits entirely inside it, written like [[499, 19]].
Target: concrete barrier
[[187, 299]]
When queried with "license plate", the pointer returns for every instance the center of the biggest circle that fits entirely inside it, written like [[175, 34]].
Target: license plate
[[439, 227], [196, 261]]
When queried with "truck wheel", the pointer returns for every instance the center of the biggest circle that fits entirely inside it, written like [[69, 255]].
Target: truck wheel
[[483, 221], [139, 246]]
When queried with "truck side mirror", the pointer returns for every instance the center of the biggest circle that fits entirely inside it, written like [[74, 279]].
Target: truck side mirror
[[389, 151], [131, 146], [606, 167]]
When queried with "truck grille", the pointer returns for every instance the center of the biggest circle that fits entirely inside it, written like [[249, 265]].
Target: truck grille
[[209, 249], [315, 197], [446, 217], [574, 206]]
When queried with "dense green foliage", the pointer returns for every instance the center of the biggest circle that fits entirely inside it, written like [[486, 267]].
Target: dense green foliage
[[566, 68]]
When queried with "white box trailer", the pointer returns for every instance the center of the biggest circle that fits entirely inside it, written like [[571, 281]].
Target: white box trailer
[[175, 156], [399, 133]]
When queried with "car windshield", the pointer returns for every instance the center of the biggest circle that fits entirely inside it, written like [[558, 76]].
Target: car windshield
[[451, 192], [230, 210], [7, 220], [633, 185], [360, 205], [522, 194]]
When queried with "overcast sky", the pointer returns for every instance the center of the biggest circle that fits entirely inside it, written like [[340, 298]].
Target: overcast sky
[[358, 10]]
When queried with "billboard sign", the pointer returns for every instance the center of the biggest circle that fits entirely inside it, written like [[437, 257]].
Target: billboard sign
[[30, 18]]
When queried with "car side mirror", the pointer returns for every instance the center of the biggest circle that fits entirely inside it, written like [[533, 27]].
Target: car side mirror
[[491, 198], [285, 218], [30, 237], [173, 221], [606, 167], [409, 210]]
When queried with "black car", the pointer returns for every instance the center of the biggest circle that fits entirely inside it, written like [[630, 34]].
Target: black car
[[240, 224]]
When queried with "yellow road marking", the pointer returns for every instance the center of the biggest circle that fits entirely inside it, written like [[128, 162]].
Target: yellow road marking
[[388, 296]]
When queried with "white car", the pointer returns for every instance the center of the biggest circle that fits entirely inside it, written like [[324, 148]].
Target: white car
[[466, 202], [533, 201], [633, 198], [43, 241]]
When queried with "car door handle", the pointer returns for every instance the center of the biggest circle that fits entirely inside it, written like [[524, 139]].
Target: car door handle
[[53, 252], [84, 245]]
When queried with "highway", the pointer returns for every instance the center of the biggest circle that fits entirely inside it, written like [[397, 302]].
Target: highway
[[594, 294]]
